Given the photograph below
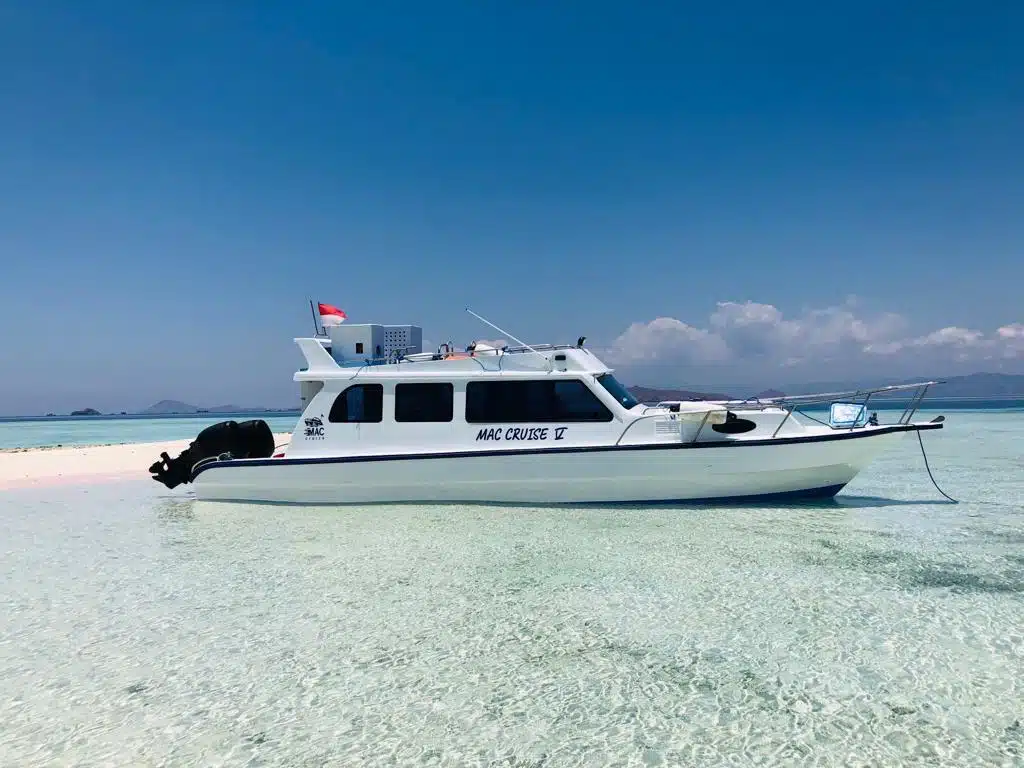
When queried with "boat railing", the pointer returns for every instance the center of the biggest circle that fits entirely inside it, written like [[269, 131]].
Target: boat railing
[[402, 356], [919, 390], [797, 403]]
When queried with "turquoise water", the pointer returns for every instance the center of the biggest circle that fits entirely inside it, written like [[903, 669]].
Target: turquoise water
[[36, 433], [143, 628], [41, 432]]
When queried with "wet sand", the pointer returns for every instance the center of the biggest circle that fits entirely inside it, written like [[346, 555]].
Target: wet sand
[[20, 468]]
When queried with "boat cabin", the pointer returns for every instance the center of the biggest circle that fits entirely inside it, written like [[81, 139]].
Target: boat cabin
[[407, 400]]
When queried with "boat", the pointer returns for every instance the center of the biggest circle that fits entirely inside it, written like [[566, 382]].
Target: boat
[[383, 421]]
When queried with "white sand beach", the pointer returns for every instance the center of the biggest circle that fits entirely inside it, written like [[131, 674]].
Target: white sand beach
[[21, 468]]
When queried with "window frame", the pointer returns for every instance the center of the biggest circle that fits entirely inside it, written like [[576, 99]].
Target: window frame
[[616, 388], [379, 388], [606, 414]]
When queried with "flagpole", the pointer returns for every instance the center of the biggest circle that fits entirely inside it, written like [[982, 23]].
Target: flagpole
[[316, 326]]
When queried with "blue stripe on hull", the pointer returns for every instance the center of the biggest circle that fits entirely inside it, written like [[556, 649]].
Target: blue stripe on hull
[[208, 464], [808, 494]]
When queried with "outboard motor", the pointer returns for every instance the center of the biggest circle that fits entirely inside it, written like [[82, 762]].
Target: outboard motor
[[239, 440]]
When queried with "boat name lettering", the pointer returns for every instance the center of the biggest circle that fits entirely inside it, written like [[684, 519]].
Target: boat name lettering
[[314, 428], [521, 433]]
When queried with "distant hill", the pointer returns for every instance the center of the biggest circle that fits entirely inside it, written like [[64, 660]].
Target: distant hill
[[981, 385], [976, 385], [176, 406], [170, 406], [655, 395]]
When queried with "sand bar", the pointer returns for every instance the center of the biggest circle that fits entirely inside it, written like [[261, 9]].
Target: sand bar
[[21, 468]]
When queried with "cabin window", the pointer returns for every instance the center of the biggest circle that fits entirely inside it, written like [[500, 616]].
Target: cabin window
[[616, 390], [565, 400], [359, 347], [360, 403], [424, 402]]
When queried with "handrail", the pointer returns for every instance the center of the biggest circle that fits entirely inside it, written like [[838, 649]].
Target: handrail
[[393, 359], [700, 429], [647, 416], [637, 420], [825, 396], [913, 405], [793, 404]]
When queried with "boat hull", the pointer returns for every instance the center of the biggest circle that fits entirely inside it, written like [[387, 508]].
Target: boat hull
[[732, 471]]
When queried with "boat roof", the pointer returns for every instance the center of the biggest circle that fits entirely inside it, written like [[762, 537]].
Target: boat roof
[[526, 361]]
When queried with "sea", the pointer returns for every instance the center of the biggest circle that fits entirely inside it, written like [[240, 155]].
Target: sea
[[884, 628], [53, 431]]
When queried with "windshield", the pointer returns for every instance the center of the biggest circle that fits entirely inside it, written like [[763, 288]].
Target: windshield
[[616, 390]]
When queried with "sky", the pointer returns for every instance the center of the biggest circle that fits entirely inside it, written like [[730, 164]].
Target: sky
[[742, 195]]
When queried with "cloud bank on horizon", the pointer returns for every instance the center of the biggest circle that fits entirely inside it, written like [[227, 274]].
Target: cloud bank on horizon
[[839, 341]]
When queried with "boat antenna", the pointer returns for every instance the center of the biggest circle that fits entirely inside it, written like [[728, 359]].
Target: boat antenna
[[506, 333]]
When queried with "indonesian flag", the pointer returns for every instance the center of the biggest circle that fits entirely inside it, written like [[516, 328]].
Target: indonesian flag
[[331, 315]]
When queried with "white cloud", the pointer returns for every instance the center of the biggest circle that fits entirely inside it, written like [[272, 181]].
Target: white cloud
[[1012, 340], [750, 331], [761, 330], [666, 336], [958, 341]]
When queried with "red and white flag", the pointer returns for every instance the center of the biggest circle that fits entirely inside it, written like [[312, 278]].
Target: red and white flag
[[331, 315]]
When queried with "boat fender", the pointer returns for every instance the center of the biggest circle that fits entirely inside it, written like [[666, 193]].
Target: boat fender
[[734, 425]]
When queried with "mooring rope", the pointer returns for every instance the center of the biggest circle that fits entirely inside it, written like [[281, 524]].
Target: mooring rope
[[930, 476]]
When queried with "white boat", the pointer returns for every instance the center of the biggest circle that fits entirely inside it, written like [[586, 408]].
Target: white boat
[[383, 421]]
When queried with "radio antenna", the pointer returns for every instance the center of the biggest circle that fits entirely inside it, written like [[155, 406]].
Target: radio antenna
[[506, 333]]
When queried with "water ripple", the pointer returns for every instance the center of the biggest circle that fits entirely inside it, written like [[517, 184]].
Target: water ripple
[[148, 629]]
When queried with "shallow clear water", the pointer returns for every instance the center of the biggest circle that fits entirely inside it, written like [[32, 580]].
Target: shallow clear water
[[104, 430], [38, 433], [141, 627]]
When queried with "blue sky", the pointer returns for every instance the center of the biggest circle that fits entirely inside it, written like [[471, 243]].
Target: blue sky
[[742, 195]]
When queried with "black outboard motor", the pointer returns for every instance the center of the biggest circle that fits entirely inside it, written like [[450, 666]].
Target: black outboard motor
[[240, 440]]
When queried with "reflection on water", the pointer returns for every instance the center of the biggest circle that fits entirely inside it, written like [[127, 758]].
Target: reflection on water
[[886, 628]]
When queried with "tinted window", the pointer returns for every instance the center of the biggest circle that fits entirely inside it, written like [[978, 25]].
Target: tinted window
[[423, 402], [532, 401], [360, 403], [616, 390]]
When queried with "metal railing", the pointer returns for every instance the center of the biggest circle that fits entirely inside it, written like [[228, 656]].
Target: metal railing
[[403, 356], [919, 390], [796, 403]]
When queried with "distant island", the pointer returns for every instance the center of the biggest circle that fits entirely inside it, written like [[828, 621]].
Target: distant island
[[975, 386], [657, 394], [175, 407], [978, 386]]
